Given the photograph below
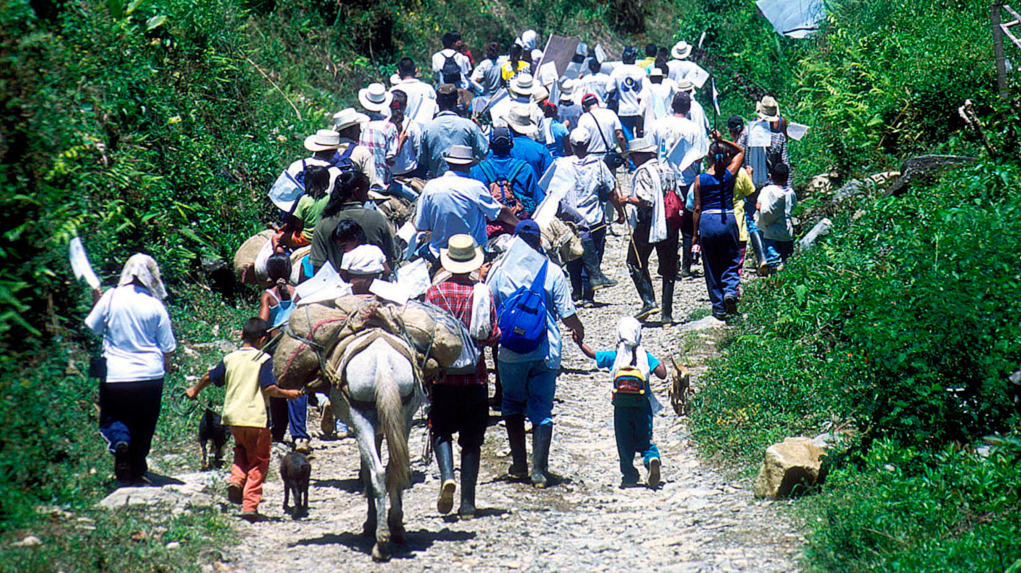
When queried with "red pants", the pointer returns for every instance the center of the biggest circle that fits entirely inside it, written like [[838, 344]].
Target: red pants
[[251, 463]]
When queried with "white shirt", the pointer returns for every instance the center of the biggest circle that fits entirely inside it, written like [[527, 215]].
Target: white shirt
[[441, 56], [630, 83], [681, 69], [697, 115], [455, 204], [406, 159], [608, 124], [136, 332], [591, 174], [421, 99], [660, 101], [667, 131], [774, 217], [594, 84]]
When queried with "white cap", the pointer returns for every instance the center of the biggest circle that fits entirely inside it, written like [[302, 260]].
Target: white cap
[[580, 136], [364, 260]]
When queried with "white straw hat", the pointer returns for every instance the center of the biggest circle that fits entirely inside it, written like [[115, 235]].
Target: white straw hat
[[681, 50], [580, 136], [347, 117], [459, 155], [364, 260], [645, 144], [462, 255], [522, 85], [768, 109], [375, 97], [323, 140]]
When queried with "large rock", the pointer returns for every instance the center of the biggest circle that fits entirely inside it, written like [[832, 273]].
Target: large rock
[[794, 462]]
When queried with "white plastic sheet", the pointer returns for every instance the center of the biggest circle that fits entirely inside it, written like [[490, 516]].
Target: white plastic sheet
[[389, 291], [325, 285], [796, 131], [793, 18], [80, 264], [285, 191], [414, 278]]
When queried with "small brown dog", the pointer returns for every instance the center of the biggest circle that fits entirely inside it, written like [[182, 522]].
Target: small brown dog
[[680, 389]]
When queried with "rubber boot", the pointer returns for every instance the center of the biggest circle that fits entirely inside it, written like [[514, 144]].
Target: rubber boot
[[590, 258], [759, 248], [516, 436], [444, 451], [686, 241], [542, 435], [645, 292], [666, 314], [470, 458]]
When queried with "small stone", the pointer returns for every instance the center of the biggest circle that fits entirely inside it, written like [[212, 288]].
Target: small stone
[[173, 545]]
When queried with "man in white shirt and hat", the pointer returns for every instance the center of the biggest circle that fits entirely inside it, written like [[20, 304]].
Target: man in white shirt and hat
[[456, 204], [449, 53], [570, 110], [647, 218], [421, 96], [379, 134], [697, 113], [348, 124], [519, 92], [680, 66], [630, 85]]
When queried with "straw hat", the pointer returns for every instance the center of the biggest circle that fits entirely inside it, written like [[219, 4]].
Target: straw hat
[[643, 145], [347, 117], [685, 86], [519, 119], [323, 140], [567, 88], [768, 109], [522, 85], [462, 255], [375, 97], [655, 73], [681, 50], [540, 93], [459, 155]]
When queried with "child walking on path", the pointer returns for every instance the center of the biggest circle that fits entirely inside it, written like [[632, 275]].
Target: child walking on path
[[633, 402], [248, 374]]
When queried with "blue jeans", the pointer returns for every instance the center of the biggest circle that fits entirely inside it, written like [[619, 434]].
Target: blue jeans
[[633, 429], [528, 388], [777, 252], [293, 413], [630, 124], [749, 212], [576, 268], [721, 255]]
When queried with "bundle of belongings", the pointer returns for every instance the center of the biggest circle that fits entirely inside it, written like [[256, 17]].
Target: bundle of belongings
[[250, 260], [321, 338]]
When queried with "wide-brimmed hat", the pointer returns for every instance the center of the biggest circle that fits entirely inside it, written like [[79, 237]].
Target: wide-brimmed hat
[[643, 145], [655, 72], [347, 117], [540, 93], [681, 50], [323, 140], [459, 155], [462, 255], [375, 97], [567, 88], [522, 85], [685, 85], [519, 119], [395, 79], [768, 109]]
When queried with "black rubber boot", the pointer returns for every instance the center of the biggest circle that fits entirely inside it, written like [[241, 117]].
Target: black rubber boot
[[470, 458], [759, 249], [686, 241], [590, 258], [516, 436], [648, 296], [666, 313], [444, 451], [542, 435]]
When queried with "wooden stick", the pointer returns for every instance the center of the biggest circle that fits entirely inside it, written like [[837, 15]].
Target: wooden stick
[[275, 86]]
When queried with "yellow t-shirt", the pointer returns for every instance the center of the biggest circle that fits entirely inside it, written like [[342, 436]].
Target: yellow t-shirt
[[743, 187], [507, 72], [246, 372]]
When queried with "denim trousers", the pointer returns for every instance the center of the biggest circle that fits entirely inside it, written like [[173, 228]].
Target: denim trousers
[[528, 388], [632, 427], [576, 268], [293, 413], [721, 253]]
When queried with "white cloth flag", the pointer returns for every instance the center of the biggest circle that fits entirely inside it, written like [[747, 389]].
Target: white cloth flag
[[80, 263], [759, 134], [683, 155], [558, 180], [325, 285], [796, 131]]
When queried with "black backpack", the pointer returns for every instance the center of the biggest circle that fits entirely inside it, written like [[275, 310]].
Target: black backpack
[[451, 69]]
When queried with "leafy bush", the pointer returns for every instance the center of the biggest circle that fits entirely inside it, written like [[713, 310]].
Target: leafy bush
[[899, 323], [911, 510]]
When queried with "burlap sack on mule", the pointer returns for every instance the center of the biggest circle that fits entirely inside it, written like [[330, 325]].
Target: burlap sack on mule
[[244, 258]]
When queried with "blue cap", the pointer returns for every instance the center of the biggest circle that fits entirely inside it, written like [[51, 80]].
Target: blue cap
[[528, 227]]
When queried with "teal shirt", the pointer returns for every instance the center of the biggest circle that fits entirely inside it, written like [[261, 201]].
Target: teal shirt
[[606, 359]]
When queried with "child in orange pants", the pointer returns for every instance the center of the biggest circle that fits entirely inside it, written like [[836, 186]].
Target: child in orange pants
[[248, 375]]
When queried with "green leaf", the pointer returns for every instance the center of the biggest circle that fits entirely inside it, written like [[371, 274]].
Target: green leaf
[[133, 6], [155, 22], [116, 8]]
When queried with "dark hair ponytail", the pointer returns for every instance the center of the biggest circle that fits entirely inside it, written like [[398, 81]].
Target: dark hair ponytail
[[718, 155], [343, 191], [278, 268]]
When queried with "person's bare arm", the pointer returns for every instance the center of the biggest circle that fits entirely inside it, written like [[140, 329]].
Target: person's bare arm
[[199, 386], [275, 391], [577, 329], [660, 371], [507, 216], [264, 305], [621, 140], [587, 350], [618, 206]]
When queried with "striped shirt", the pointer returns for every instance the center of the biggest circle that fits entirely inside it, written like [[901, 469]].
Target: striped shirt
[[455, 296]]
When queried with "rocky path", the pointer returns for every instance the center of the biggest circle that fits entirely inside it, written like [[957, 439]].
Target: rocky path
[[699, 520]]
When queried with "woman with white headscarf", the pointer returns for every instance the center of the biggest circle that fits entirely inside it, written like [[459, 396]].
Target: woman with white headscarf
[[137, 340], [633, 401]]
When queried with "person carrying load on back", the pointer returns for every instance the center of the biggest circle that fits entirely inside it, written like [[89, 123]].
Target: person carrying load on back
[[523, 127], [531, 293], [634, 404], [516, 65], [350, 155], [510, 181], [449, 55], [460, 399], [300, 224]]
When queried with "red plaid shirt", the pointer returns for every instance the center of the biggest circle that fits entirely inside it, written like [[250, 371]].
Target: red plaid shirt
[[455, 296]]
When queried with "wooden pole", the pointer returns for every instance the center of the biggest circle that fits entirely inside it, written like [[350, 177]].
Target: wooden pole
[[1001, 68]]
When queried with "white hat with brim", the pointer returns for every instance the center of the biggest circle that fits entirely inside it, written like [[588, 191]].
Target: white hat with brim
[[580, 136], [345, 118], [459, 155], [655, 73], [323, 140], [375, 97], [567, 88], [643, 145], [681, 50], [539, 94], [522, 85], [519, 119], [768, 109], [364, 260], [685, 86], [395, 79], [462, 255]]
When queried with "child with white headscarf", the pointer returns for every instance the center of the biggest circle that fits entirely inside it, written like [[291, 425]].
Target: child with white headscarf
[[633, 402]]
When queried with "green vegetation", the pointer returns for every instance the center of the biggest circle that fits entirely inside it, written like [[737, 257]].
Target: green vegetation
[[897, 331]]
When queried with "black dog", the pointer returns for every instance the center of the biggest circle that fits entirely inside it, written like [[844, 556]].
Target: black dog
[[295, 471], [211, 429]]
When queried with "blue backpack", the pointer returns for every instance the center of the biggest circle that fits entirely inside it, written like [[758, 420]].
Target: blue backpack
[[523, 316]]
